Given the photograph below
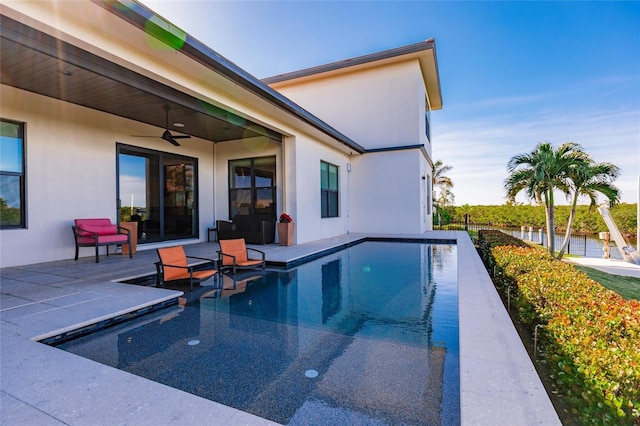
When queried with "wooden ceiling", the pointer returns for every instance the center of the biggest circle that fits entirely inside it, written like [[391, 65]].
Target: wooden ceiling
[[39, 63]]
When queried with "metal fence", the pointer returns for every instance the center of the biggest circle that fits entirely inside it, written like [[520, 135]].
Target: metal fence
[[577, 242]]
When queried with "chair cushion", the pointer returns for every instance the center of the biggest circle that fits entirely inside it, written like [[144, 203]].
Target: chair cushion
[[89, 230], [235, 248], [104, 239], [249, 262], [173, 256]]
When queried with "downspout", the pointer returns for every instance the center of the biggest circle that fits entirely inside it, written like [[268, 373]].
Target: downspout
[[283, 166], [215, 192], [348, 197]]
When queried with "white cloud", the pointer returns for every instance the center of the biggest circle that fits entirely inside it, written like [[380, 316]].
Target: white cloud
[[133, 185], [479, 148]]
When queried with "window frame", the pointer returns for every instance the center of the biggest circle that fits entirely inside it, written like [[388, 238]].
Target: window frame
[[22, 179], [329, 197], [253, 188], [427, 119]]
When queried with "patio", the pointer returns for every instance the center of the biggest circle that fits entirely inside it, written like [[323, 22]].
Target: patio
[[44, 385]]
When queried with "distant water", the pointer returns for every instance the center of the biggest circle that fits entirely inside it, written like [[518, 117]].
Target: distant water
[[594, 246]]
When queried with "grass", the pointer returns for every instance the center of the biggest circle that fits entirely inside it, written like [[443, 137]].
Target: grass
[[627, 287]]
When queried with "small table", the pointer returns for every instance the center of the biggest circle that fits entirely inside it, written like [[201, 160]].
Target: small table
[[209, 231]]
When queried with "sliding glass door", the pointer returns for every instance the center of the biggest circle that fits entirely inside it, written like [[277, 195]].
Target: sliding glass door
[[159, 191]]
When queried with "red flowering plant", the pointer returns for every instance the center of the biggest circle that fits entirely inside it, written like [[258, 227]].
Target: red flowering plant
[[285, 218]]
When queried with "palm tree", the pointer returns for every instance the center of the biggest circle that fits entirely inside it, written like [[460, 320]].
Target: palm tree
[[445, 198], [443, 182], [541, 172], [589, 179], [439, 178]]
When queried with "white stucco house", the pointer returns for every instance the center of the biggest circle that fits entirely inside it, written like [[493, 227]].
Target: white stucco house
[[94, 99]]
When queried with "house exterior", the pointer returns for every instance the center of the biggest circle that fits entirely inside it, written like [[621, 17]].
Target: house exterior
[[383, 101], [87, 94]]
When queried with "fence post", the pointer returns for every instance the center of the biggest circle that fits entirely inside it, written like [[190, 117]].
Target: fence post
[[466, 222]]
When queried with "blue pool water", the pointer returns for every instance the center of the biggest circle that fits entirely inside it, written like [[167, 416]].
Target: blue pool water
[[366, 335]]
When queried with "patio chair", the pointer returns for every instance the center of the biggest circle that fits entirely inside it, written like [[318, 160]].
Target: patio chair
[[97, 232], [173, 266], [234, 254]]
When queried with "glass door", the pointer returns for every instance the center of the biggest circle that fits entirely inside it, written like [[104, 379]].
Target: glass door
[[252, 190], [179, 198], [157, 190]]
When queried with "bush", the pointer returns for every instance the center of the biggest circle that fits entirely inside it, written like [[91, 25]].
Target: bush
[[591, 337]]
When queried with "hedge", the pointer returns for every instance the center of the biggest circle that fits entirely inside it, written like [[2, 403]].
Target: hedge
[[590, 335]]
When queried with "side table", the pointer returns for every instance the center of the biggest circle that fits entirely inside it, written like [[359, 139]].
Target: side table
[[209, 231]]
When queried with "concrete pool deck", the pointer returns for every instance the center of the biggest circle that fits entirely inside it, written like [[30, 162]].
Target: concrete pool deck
[[40, 384]]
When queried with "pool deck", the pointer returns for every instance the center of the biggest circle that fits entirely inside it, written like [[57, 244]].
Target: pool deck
[[42, 385]]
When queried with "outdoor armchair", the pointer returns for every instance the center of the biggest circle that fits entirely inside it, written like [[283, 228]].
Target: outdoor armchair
[[174, 266], [234, 254], [99, 232]]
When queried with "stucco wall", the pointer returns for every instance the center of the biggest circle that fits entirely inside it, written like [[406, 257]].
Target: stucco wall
[[387, 193], [379, 107], [310, 226], [71, 173]]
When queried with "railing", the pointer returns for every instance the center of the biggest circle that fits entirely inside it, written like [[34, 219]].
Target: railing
[[577, 242]]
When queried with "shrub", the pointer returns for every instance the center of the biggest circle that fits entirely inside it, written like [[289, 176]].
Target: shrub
[[591, 335]]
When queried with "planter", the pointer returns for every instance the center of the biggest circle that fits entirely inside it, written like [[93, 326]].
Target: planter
[[285, 234], [133, 229]]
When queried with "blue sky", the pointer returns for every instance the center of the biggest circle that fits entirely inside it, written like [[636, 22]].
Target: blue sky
[[513, 74]]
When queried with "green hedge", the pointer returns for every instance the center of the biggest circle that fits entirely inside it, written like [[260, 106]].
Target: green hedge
[[590, 335]]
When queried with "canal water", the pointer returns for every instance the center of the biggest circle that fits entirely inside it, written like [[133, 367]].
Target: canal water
[[579, 245]]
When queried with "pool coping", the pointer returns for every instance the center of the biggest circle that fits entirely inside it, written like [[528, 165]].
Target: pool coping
[[41, 384]]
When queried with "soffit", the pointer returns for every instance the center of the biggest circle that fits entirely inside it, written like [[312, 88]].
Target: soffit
[[40, 63]]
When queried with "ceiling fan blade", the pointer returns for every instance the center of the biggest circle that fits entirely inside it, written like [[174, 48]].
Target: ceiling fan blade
[[167, 137]]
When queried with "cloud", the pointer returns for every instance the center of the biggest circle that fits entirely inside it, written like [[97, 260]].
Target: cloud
[[479, 148], [133, 185]]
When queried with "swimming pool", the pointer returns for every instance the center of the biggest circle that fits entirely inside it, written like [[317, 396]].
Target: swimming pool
[[365, 335]]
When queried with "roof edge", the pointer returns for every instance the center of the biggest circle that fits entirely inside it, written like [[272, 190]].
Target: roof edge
[[347, 63]]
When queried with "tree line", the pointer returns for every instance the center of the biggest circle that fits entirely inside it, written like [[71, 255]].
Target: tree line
[[587, 219]]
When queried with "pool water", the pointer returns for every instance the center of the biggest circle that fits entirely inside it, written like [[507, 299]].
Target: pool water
[[366, 335]]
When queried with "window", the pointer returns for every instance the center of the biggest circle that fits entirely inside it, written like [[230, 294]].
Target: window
[[329, 189], [427, 119], [252, 187], [12, 176]]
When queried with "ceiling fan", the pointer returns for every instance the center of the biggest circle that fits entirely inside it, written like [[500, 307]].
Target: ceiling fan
[[166, 135]]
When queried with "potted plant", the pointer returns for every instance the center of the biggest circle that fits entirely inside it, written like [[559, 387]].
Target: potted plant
[[285, 230]]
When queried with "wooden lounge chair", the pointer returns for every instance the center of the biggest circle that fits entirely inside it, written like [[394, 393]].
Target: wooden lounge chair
[[173, 266], [234, 254]]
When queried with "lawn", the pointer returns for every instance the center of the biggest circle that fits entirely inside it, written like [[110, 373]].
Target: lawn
[[627, 287]]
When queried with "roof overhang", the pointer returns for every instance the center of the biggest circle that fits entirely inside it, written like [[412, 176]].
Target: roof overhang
[[424, 52], [40, 59]]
